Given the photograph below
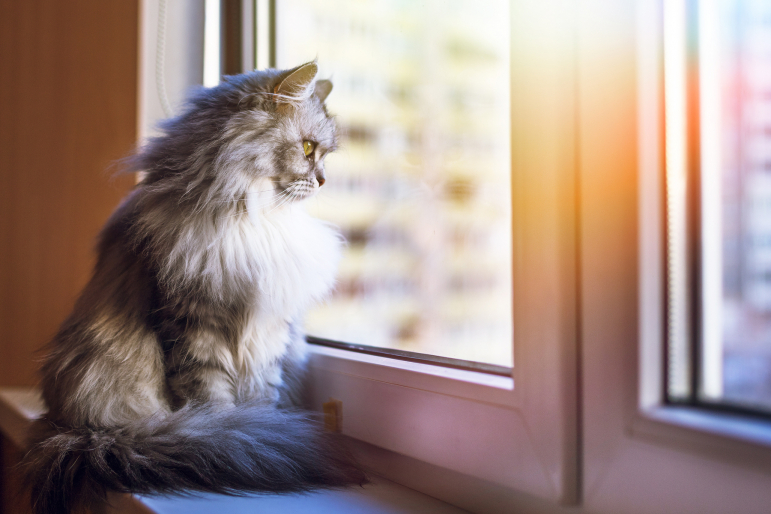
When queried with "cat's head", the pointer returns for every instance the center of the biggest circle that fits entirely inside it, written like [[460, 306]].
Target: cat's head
[[264, 129], [300, 132]]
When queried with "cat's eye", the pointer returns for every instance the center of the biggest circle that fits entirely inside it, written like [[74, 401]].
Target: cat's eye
[[308, 147]]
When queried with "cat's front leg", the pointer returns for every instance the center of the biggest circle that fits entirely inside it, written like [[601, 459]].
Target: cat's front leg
[[200, 369]]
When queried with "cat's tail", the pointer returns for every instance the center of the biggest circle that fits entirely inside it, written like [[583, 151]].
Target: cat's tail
[[196, 449]]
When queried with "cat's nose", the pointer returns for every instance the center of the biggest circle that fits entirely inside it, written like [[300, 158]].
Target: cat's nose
[[320, 178]]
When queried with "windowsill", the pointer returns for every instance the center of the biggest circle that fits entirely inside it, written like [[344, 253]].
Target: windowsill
[[19, 406], [379, 497], [722, 436]]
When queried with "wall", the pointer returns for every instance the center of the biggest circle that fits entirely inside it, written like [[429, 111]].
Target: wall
[[68, 110]]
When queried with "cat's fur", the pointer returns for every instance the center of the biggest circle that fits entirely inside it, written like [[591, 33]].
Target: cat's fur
[[174, 371]]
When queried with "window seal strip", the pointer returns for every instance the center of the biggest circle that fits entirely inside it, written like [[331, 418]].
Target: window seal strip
[[447, 362]]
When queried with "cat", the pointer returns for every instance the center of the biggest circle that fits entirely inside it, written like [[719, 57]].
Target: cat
[[179, 368]]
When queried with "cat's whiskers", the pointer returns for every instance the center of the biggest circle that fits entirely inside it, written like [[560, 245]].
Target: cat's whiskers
[[290, 195], [278, 200], [296, 190], [292, 191], [243, 197]]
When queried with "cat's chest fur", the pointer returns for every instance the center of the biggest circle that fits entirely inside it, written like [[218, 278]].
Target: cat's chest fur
[[291, 259]]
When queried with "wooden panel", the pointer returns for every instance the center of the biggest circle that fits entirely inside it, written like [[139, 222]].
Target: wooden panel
[[68, 106], [13, 497], [232, 20]]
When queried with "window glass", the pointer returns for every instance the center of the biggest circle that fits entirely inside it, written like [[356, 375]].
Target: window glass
[[739, 123], [729, 171], [420, 187]]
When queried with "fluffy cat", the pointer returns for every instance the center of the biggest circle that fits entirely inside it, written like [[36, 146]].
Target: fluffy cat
[[179, 366]]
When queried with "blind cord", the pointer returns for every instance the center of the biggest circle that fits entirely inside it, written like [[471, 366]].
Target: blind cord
[[160, 60]]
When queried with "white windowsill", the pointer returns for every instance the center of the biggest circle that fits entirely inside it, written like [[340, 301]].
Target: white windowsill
[[724, 436], [741, 428], [19, 406]]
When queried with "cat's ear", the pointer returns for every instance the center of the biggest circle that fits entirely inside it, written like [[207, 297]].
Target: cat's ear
[[295, 86], [322, 89]]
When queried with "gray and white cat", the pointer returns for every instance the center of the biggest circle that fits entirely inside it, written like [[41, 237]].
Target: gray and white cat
[[179, 365]]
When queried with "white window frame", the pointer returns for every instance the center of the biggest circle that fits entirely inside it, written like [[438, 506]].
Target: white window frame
[[472, 423]]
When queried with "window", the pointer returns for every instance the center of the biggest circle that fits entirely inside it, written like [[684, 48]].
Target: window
[[472, 420]]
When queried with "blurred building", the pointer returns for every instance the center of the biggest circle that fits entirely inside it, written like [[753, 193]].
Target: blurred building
[[754, 164], [746, 191]]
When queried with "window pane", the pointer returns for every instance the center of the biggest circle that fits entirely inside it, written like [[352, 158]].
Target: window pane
[[421, 185], [735, 83]]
